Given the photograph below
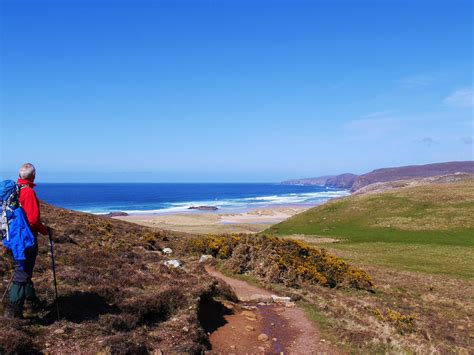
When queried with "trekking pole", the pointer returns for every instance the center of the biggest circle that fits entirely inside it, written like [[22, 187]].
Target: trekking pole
[[8, 287], [51, 245]]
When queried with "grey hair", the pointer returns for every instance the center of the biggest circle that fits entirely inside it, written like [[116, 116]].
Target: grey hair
[[27, 171]]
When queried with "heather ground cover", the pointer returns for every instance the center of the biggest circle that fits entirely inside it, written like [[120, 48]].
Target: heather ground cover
[[116, 296]]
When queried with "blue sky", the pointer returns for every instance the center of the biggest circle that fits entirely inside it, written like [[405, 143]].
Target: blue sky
[[233, 90]]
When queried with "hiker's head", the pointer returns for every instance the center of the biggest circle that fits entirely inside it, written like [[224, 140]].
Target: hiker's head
[[27, 172]]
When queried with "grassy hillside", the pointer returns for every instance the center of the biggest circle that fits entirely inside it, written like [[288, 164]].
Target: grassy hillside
[[424, 228]]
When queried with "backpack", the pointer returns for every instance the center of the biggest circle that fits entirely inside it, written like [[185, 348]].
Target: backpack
[[15, 231]]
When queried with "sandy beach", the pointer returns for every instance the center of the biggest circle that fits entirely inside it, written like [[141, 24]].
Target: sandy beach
[[251, 221]]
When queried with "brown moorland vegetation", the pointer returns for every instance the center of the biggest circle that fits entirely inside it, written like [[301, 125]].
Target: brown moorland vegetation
[[116, 295]]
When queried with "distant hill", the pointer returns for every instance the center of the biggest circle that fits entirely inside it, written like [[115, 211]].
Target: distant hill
[[412, 171], [355, 182], [430, 213]]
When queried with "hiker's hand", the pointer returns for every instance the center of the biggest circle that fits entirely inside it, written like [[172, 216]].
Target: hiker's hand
[[6, 251], [7, 257]]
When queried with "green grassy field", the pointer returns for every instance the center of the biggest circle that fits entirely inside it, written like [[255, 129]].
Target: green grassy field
[[427, 228]]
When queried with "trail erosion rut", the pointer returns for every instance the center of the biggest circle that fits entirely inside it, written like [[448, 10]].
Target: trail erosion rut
[[256, 326]]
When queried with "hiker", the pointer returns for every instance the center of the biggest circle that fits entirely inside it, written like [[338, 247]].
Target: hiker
[[22, 292]]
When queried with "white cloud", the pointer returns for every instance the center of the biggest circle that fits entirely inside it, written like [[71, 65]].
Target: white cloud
[[461, 98], [418, 80]]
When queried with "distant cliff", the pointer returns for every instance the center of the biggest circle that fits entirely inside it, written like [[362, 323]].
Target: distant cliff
[[343, 181], [355, 182], [317, 181], [412, 171]]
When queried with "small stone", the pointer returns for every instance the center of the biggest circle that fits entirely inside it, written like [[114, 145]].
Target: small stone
[[248, 307], [167, 250], [172, 263], [272, 324], [185, 329], [249, 328], [274, 339], [232, 347], [256, 298], [205, 258], [59, 331], [261, 348], [278, 299], [249, 315], [263, 337]]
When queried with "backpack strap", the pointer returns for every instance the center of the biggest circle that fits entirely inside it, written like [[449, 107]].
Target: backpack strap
[[18, 189]]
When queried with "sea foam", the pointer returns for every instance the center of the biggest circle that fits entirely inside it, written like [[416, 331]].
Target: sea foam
[[240, 204]]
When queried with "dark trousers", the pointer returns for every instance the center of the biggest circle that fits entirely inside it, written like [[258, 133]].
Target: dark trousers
[[22, 288]]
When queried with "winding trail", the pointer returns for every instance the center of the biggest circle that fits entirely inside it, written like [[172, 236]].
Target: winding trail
[[257, 327]]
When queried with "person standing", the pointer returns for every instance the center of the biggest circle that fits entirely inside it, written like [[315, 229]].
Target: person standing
[[22, 292]]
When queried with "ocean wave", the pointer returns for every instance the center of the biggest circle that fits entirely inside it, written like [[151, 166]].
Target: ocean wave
[[231, 204]]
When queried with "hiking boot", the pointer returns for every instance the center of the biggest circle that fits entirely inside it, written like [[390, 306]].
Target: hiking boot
[[13, 311]]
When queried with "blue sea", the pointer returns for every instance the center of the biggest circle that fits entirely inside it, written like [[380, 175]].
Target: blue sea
[[138, 198]]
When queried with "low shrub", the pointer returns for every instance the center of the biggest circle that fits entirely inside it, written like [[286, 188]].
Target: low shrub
[[403, 323], [13, 340], [280, 260]]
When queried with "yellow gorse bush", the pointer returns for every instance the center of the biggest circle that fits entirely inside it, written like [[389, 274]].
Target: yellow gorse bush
[[403, 323], [280, 260]]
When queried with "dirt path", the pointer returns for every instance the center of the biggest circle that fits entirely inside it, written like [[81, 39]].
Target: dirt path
[[265, 327]]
